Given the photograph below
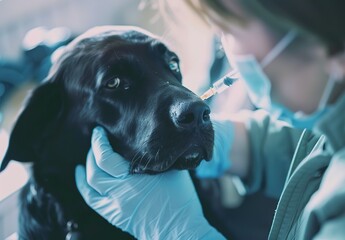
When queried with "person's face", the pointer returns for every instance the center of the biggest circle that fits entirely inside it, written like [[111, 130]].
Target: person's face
[[298, 75]]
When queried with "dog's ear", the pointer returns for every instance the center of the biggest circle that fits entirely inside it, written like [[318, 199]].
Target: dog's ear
[[42, 111]]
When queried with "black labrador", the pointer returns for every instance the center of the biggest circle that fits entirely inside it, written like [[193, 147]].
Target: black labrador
[[127, 81]]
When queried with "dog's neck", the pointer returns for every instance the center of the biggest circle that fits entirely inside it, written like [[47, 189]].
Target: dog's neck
[[53, 177]]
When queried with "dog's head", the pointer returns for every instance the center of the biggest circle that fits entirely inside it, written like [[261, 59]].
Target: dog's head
[[127, 81]]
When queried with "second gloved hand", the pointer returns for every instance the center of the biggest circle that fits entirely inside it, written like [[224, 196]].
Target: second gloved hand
[[220, 162], [162, 206]]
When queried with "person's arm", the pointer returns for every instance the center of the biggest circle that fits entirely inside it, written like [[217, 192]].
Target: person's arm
[[254, 147], [333, 228], [239, 154], [161, 206], [264, 152]]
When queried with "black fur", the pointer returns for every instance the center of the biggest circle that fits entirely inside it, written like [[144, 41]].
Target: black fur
[[150, 119]]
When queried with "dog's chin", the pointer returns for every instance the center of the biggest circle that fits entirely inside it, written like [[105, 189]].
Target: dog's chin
[[190, 159], [187, 160]]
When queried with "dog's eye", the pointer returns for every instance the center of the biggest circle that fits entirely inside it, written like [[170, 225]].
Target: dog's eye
[[113, 82], [173, 65]]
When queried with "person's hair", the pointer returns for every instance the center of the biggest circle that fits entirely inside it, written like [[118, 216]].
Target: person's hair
[[324, 18], [214, 11], [317, 18]]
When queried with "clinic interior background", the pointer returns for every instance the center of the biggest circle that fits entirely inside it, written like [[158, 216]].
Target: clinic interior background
[[27, 25]]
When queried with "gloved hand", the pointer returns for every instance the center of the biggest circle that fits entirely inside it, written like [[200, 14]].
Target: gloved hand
[[220, 162], [162, 206]]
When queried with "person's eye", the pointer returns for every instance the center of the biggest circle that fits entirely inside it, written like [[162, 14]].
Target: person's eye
[[113, 83], [173, 65]]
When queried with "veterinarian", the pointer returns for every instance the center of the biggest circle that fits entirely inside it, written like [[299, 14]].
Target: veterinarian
[[291, 56]]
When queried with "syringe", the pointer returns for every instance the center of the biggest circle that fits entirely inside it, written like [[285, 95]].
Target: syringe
[[221, 84]]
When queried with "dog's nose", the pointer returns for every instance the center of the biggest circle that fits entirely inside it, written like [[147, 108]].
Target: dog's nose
[[190, 114]]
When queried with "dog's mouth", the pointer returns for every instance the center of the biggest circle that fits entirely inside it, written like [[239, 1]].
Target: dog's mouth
[[189, 159]]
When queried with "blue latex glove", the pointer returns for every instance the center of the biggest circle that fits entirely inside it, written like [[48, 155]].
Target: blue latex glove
[[220, 162], [162, 206]]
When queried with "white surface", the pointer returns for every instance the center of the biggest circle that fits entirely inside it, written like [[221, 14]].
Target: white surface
[[13, 236], [12, 179], [9, 216], [14, 176]]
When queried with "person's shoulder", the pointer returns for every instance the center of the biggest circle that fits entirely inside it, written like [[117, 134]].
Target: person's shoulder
[[333, 182], [338, 160]]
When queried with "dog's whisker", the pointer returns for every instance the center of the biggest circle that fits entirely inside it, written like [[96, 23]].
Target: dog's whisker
[[148, 161], [157, 155], [137, 158], [142, 157]]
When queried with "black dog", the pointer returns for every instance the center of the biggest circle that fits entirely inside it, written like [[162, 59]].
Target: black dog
[[127, 81]]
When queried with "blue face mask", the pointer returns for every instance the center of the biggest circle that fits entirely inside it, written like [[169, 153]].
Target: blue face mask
[[259, 86]]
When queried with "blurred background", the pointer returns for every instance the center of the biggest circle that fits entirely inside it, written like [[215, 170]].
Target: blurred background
[[30, 33]]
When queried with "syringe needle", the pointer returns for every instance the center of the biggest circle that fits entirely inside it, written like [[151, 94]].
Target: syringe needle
[[209, 93]]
